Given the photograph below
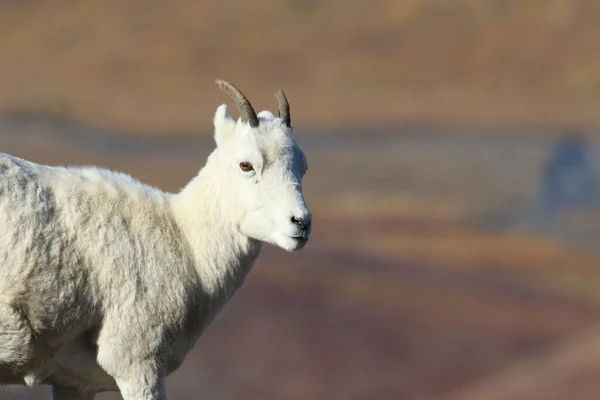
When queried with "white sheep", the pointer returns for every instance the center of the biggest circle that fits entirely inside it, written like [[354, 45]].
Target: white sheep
[[106, 283]]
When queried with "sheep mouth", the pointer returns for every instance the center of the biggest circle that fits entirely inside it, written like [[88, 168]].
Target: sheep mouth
[[300, 238]]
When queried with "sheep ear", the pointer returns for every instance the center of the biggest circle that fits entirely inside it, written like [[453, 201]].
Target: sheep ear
[[224, 126]]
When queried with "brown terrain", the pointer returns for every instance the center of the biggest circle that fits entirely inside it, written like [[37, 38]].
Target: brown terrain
[[436, 270], [149, 66]]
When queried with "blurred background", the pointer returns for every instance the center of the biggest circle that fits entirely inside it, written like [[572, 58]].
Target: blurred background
[[453, 180]]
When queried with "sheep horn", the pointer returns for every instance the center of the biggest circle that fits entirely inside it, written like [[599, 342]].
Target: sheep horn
[[247, 113], [284, 108]]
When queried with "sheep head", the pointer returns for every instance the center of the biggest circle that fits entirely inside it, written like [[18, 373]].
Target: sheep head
[[263, 168]]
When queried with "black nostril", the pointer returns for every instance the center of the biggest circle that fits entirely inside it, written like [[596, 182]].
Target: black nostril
[[301, 222]]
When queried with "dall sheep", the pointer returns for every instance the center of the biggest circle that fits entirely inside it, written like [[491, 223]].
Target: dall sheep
[[107, 283]]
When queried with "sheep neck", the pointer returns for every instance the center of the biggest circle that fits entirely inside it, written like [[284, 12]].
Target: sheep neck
[[222, 255]]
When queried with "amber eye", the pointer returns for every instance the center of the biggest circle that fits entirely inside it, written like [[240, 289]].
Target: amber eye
[[246, 166]]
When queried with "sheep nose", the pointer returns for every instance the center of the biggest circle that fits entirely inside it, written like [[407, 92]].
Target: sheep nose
[[302, 222]]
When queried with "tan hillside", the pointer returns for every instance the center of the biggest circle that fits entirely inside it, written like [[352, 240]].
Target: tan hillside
[[150, 66]]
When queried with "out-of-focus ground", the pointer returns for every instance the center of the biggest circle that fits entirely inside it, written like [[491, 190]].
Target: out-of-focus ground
[[456, 201]]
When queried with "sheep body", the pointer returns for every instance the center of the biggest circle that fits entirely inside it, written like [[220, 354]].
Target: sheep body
[[101, 247]]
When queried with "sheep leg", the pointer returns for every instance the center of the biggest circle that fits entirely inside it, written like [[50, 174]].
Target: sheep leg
[[16, 341], [61, 393], [144, 384], [130, 354]]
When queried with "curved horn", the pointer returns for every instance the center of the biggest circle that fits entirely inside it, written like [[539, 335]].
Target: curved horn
[[247, 113], [284, 108]]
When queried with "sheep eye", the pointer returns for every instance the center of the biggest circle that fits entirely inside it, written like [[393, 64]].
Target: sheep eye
[[246, 166]]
